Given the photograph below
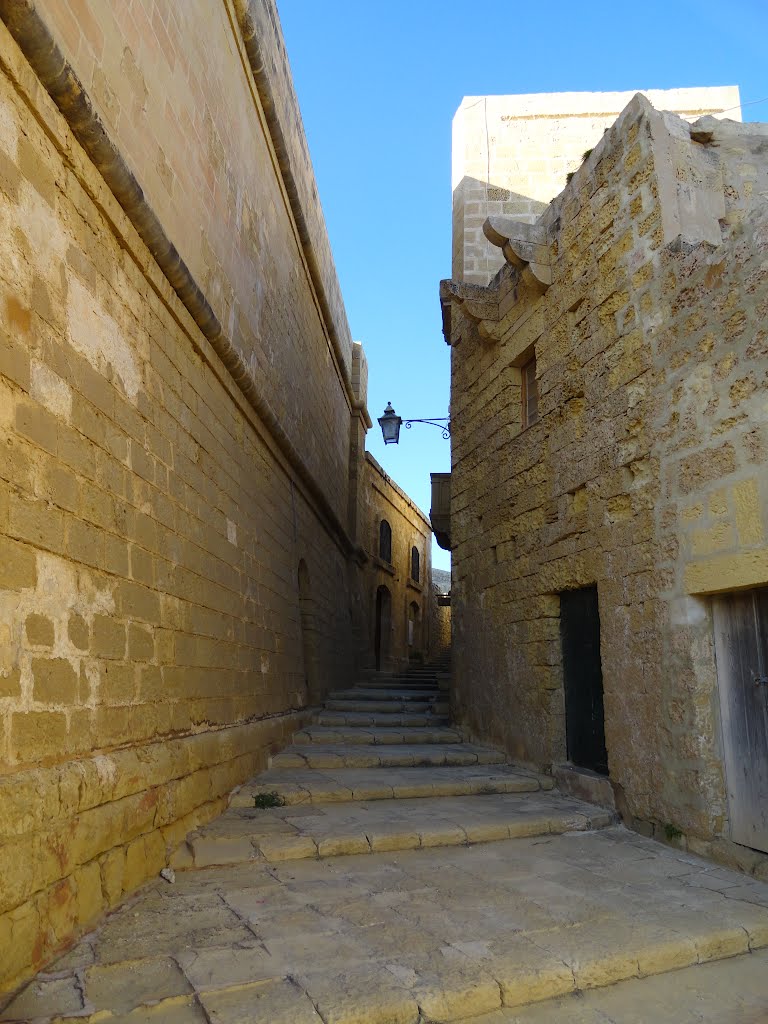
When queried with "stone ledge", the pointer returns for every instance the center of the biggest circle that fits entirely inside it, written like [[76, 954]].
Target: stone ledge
[[584, 784]]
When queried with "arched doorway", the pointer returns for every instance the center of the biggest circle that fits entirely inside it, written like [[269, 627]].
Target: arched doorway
[[383, 626], [308, 635]]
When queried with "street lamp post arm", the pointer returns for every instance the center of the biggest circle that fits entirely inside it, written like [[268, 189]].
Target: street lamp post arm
[[441, 422]]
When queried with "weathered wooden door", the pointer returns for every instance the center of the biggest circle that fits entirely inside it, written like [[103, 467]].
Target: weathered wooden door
[[583, 678], [741, 649]]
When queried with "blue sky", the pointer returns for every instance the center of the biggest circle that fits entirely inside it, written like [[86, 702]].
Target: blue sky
[[378, 84]]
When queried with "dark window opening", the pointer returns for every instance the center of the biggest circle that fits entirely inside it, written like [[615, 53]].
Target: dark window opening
[[385, 541], [530, 393], [415, 565]]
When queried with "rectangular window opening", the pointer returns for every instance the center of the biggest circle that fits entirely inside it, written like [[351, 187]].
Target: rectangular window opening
[[530, 393]]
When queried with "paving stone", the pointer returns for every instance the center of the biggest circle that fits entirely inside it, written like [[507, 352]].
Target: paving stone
[[169, 1011], [44, 998], [122, 987], [211, 969], [375, 936], [276, 1002], [190, 924], [360, 994]]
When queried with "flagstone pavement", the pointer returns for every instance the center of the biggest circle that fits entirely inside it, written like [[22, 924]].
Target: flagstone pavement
[[415, 880]]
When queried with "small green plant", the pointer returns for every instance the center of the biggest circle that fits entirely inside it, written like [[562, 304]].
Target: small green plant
[[672, 833], [569, 177], [263, 800], [586, 154]]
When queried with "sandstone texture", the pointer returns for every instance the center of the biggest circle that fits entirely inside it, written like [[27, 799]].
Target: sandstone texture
[[641, 292], [511, 156], [186, 561]]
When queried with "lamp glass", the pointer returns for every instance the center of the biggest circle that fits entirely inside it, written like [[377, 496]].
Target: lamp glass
[[390, 425]]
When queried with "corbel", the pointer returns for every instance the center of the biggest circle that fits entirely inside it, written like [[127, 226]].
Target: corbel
[[479, 305], [525, 246]]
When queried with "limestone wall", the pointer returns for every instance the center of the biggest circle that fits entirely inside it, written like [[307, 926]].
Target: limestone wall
[[383, 499], [645, 473], [151, 523], [440, 646], [511, 155], [174, 89]]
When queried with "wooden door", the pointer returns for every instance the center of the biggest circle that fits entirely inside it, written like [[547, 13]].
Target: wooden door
[[583, 679], [741, 649]]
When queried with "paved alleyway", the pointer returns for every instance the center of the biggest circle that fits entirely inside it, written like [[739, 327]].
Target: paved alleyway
[[410, 877]]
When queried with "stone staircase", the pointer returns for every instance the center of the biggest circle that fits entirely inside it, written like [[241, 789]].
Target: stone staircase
[[382, 769], [383, 871]]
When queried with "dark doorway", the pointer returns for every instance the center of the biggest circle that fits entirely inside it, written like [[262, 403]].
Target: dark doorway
[[383, 626], [583, 678], [741, 649]]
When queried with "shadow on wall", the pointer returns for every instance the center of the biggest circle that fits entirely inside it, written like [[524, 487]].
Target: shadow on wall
[[309, 638]]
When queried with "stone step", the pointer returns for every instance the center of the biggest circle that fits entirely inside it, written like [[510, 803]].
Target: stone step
[[395, 756], [310, 785], [440, 707], [390, 681], [407, 675], [441, 936], [386, 718], [374, 736], [332, 830], [715, 992], [359, 693]]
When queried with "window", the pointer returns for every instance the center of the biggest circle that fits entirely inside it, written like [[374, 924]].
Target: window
[[415, 564], [385, 541], [529, 393]]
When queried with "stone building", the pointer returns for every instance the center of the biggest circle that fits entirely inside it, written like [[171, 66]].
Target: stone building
[[511, 155], [400, 599], [186, 555], [609, 493]]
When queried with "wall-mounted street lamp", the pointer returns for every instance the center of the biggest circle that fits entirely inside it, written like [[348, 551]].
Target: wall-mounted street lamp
[[390, 424]]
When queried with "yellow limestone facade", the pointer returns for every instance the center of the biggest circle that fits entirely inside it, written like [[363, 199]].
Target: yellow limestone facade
[[511, 155], [185, 552], [641, 292]]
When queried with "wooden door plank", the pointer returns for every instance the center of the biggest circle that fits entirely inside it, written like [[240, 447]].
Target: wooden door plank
[[741, 648]]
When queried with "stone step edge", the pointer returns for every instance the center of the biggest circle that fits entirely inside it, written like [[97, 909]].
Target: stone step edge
[[293, 793], [497, 985], [386, 720], [536, 990], [376, 736], [201, 851], [385, 697], [362, 756], [375, 707]]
